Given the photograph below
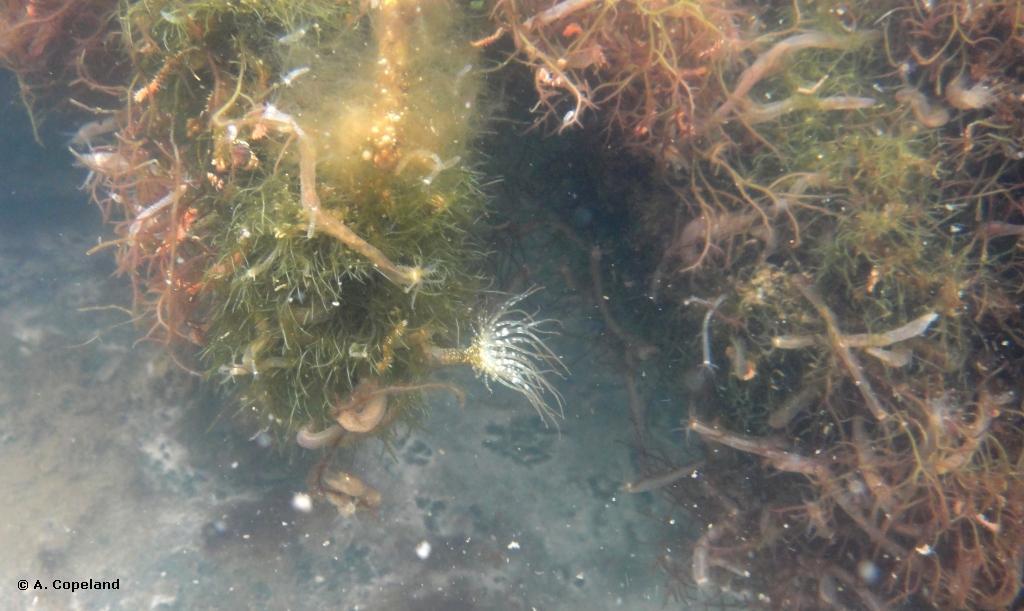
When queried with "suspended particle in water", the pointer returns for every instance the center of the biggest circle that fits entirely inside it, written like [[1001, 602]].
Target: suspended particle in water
[[868, 571], [423, 549], [302, 502]]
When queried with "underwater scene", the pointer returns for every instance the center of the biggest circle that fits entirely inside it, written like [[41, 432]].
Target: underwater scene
[[511, 304]]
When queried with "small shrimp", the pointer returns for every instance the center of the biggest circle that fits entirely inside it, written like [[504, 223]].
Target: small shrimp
[[969, 98], [292, 37], [293, 75], [108, 163], [100, 163], [93, 129], [156, 207]]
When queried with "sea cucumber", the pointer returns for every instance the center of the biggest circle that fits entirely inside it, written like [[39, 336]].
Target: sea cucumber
[[316, 440]]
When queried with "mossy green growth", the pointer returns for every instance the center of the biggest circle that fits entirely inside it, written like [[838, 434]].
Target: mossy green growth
[[299, 320], [243, 96], [829, 170], [873, 210]]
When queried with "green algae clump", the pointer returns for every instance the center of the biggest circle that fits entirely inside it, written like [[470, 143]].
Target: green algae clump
[[293, 196]]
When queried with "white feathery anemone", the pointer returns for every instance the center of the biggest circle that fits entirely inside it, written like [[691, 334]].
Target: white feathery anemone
[[508, 348]]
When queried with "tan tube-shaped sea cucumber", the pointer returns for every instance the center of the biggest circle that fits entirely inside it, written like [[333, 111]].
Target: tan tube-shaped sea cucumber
[[793, 342], [925, 114], [771, 60], [366, 418], [793, 405], [754, 113], [890, 358], [910, 330], [700, 565], [347, 483], [352, 486], [840, 348], [311, 440], [782, 460], [657, 481], [323, 220]]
